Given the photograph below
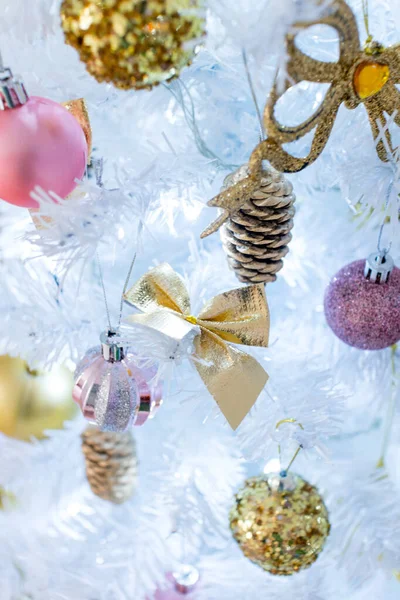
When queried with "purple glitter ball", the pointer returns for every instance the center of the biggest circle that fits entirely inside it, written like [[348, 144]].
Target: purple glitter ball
[[361, 313]]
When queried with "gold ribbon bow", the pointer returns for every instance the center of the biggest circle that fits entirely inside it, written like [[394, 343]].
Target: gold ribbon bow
[[235, 379], [361, 76]]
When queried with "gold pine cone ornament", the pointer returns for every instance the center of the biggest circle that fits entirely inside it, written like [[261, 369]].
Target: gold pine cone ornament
[[256, 237], [133, 43], [111, 464], [280, 523]]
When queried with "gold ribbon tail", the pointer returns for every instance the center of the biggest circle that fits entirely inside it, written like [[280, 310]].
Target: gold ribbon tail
[[234, 379]]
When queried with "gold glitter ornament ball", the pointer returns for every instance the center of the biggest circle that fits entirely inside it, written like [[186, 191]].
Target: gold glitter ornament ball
[[133, 43], [280, 523]]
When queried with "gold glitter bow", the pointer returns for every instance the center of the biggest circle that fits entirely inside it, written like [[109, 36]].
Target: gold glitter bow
[[235, 379], [78, 109], [362, 75]]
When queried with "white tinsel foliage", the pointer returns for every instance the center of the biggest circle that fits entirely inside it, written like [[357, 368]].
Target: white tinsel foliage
[[70, 231], [304, 410], [198, 497], [247, 580], [39, 315], [168, 151], [108, 551], [369, 526], [27, 24], [80, 541], [264, 20]]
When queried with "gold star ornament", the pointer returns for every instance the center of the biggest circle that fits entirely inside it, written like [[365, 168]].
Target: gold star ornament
[[363, 75]]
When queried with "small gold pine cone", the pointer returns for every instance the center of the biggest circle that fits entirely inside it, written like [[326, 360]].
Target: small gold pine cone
[[111, 464], [256, 237]]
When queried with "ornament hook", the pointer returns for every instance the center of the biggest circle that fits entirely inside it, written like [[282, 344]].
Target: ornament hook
[[378, 267]]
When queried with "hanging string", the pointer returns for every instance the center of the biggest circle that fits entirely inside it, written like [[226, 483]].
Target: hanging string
[[365, 9], [183, 97], [385, 251], [178, 89], [284, 472], [121, 306], [128, 277], [104, 291], [1, 62], [98, 169], [253, 94]]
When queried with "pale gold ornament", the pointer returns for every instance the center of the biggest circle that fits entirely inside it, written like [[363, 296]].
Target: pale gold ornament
[[31, 401], [8, 500], [280, 523], [133, 43], [361, 76], [235, 379]]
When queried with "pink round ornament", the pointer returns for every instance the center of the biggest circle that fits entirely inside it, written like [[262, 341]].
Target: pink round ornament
[[362, 305], [111, 390], [41, 144], [181, 582]]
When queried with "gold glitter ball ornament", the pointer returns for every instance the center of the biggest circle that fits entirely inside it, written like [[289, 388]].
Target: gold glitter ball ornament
[[280, 523], [133, 43]]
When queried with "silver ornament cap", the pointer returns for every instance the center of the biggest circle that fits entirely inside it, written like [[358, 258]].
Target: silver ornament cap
[[111, 346], [186, 578], [282, 482], [12, 90], [378, 267]]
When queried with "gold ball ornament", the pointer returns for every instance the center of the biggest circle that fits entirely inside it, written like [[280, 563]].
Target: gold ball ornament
[[280, 523], [133, 43], [32, 402]]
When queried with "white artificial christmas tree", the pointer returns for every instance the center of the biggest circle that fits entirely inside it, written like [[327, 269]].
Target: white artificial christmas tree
[[166, 153]]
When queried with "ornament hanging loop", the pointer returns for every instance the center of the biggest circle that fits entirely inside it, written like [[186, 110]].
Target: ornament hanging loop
[[378, 267], [99, 168], [365, 8], [12, 90], [385, 251], [380, 264], [111, 347], [253, 94], [284, 472]]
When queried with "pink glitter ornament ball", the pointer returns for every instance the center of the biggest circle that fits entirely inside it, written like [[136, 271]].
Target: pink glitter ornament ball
[[111, 390], [361, 311], [42, 144], [180, 583]]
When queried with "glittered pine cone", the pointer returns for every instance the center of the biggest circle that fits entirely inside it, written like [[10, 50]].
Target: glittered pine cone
[[111, 464], [256, 238]]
